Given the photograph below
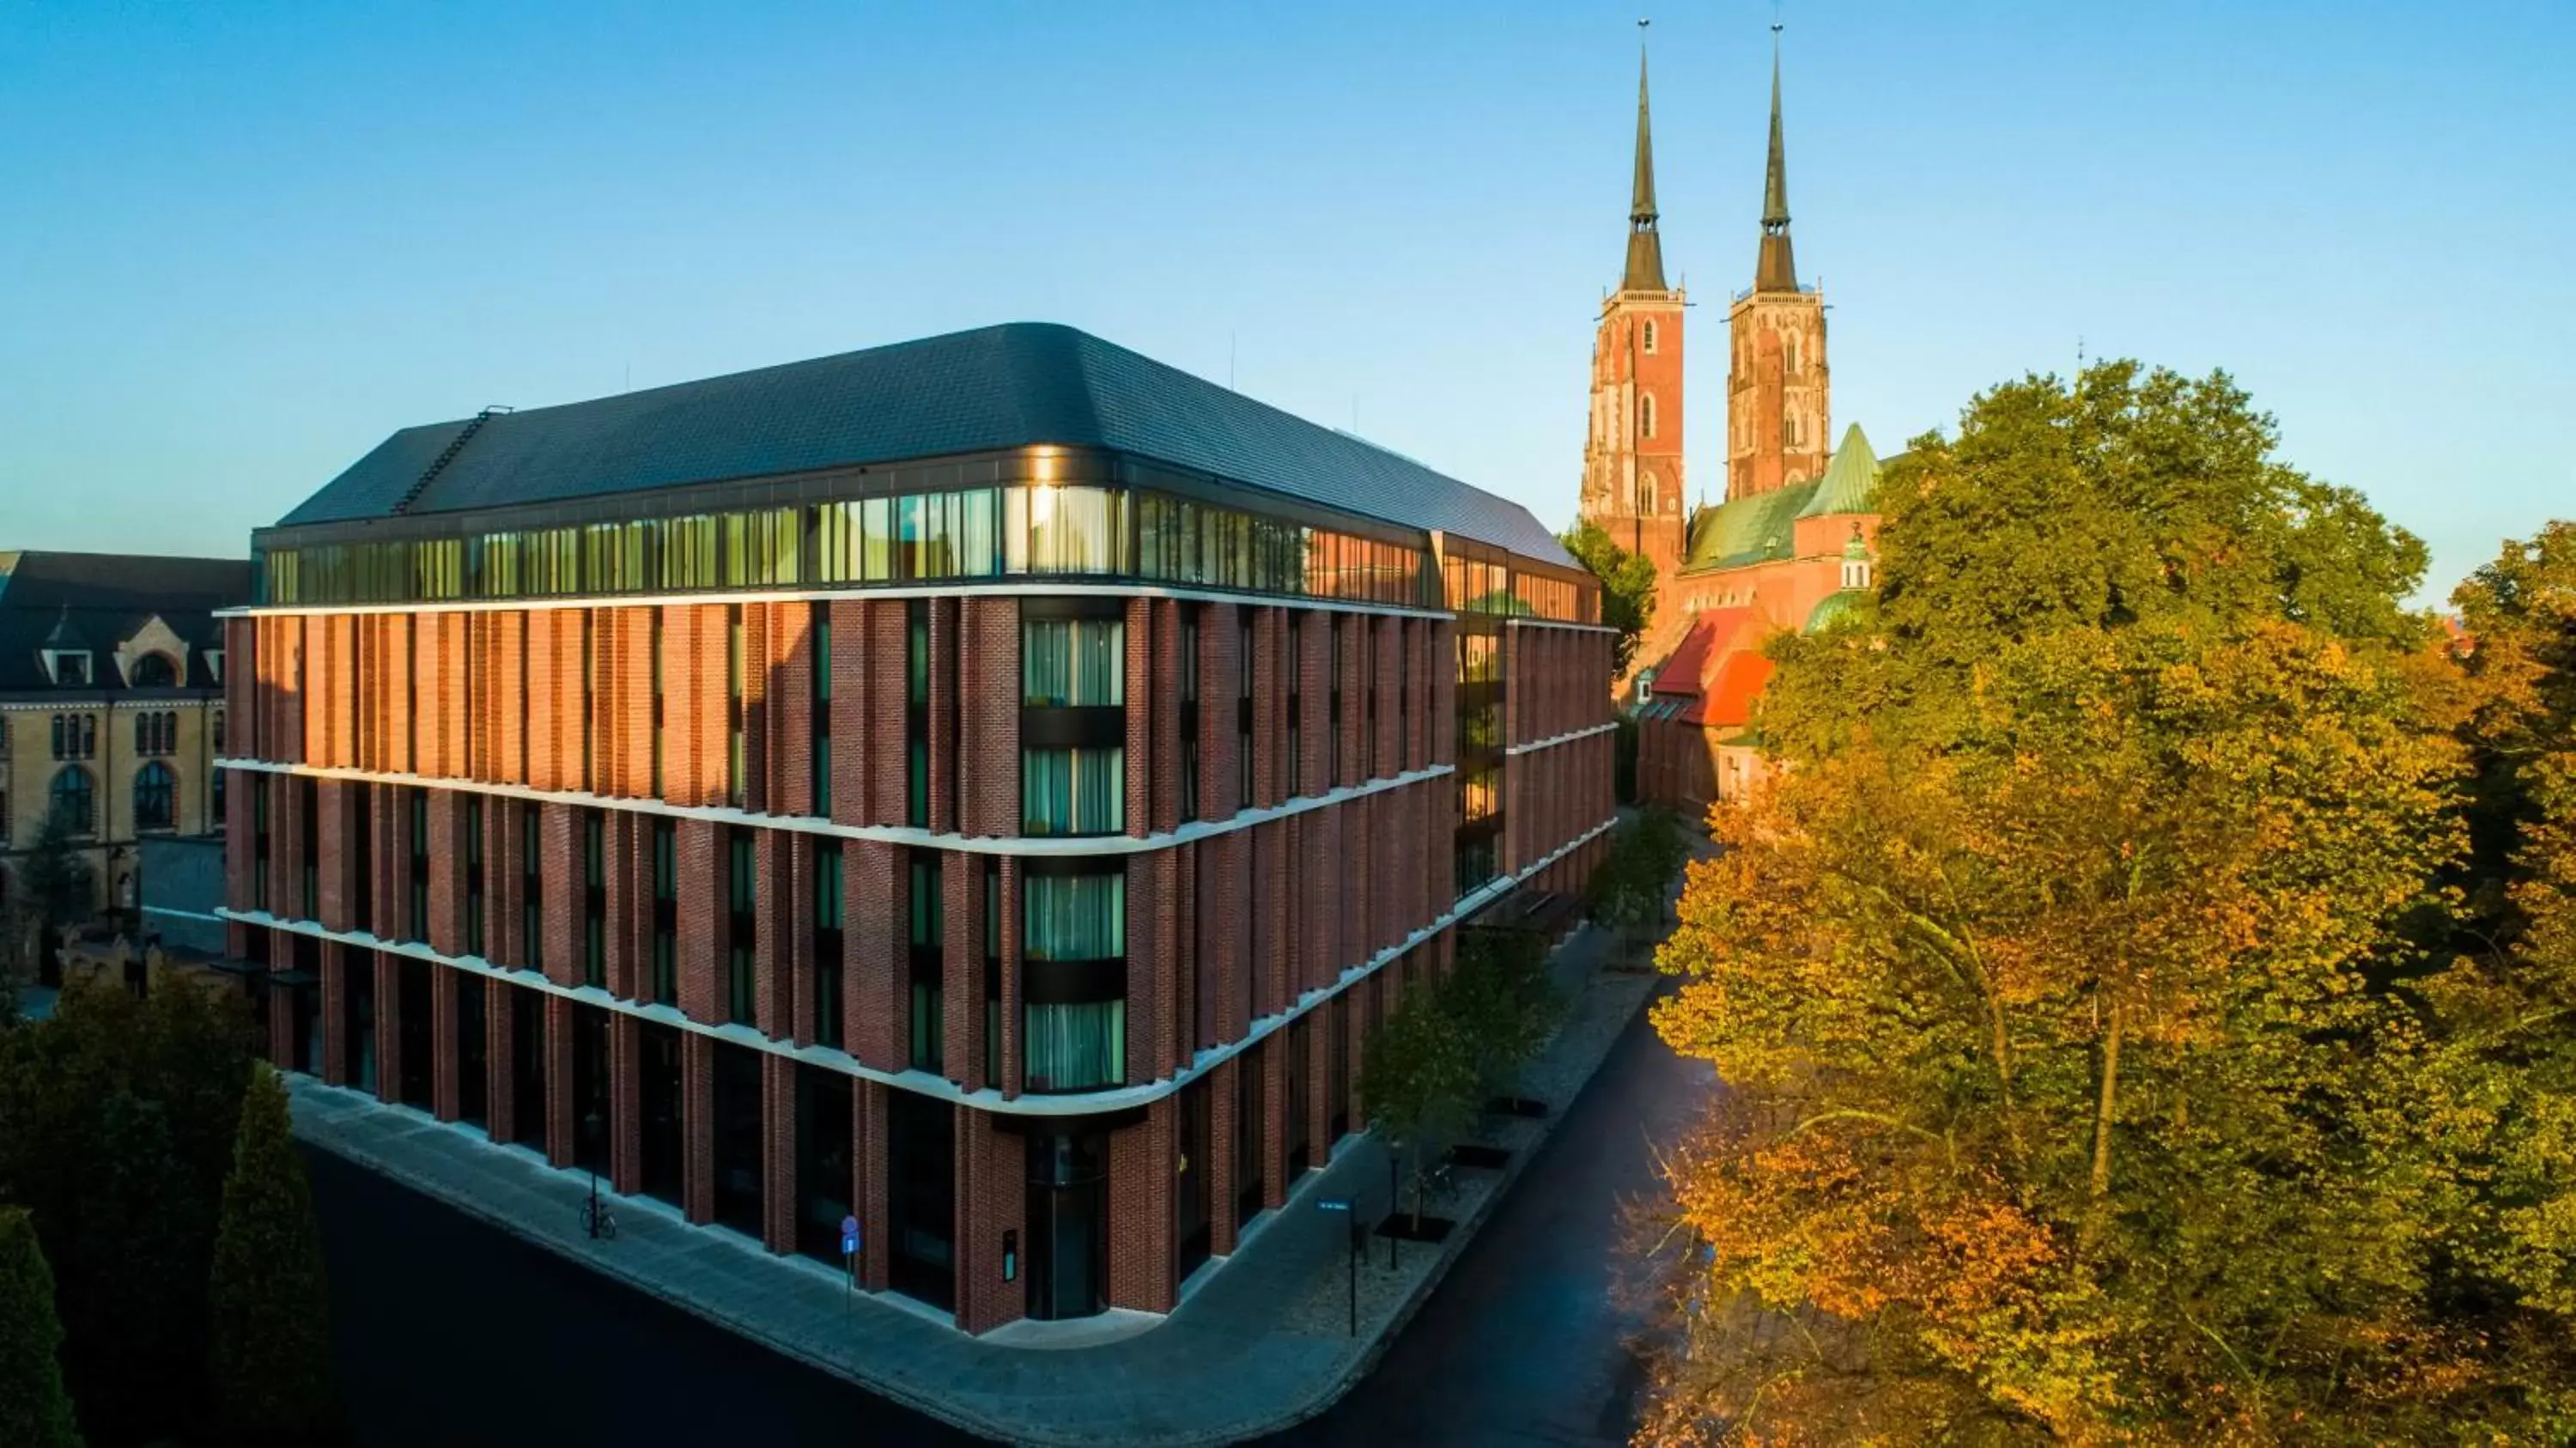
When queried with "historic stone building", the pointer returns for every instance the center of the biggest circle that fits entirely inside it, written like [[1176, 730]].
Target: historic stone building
[[1790, 547], [111, 704]]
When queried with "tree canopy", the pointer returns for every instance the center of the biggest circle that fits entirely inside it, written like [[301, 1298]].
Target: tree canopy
[[2077, 981], [34, 1409], [271, 1310], [1627, 588]]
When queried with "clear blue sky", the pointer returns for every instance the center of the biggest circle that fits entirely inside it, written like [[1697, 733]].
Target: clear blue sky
[[240, 243]]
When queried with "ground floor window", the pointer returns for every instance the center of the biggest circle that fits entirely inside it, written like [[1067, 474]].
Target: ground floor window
[[1191, 1211], [738, 1137], [416, 1021], [593, 1111], [527, 1068], [921, 1165], [1249, 1100], [657, 1099], [473, 1050], [358, 1016], [823, 1175]]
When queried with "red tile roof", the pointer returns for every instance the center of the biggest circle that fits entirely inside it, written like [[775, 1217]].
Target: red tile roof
[[1687, 666], [1728, 702]]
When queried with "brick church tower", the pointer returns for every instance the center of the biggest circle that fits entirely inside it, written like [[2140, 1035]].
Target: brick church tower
[[1632, 453], [1778, 391]]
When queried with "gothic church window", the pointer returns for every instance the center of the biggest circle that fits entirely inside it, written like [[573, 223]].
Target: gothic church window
[[1647, 338], [1646, 415]]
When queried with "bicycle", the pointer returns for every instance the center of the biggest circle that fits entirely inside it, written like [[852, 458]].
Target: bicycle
[[597, 1219]]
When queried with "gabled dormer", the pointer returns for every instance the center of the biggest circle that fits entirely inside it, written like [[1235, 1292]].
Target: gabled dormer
[[67, 657], [153, 657]]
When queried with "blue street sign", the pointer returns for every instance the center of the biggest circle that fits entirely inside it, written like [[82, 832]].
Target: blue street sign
[[849, 1236], [849, 1246], [1333, 1204]]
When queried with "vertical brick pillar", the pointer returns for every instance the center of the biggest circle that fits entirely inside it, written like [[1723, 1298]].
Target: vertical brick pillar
[[869, 1166], [446, 932], [697, 1126], [1221, 670], [1220, 1164], [991, 1196], [961, 878], [549, 701], [1189, 967], [500, 1094], [622, 697], [1153, 1027], [443, 1081], [1274, 1120], [988, 688], [335, 849], [241, 674], [775, 981], [1319, 1086], [867, 711], [792, 643], [1140, 1210], [1444, 691], [563, 1121], [560, 872], [505, 887], [1011, 919], [875, 955], [1314, 666], [1272, 862], [626, 1103], [505, 683], [336, 1055], [281, 1011], [389, 1042], [241, 847], [702, 925], [286, 827], [1388, 744], [1350, 741], [778, 1152], [1269, 711], [802, 850]]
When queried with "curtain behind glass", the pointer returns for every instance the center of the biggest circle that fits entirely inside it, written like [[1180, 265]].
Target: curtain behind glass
[[1075, 1047], [1074, 917]]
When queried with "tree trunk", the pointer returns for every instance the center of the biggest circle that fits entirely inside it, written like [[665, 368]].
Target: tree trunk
[[2105, 1110]]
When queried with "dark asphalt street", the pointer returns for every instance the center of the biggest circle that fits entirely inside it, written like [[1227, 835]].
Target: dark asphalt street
[[450, 1331]]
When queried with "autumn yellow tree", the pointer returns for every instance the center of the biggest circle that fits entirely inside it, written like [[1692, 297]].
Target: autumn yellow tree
[[2067, 985]]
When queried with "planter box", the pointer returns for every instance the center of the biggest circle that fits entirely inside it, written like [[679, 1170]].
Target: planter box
[[1520, 1106], [1400, 1226], [1489, 1158]]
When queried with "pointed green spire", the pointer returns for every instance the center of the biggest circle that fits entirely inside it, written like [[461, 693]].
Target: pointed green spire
[[1645, 245], [1777, 269]]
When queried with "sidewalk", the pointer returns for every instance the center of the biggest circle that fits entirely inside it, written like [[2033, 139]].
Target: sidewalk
[[1255, 1345]]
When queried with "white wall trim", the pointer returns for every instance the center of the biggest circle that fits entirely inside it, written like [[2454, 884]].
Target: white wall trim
[[955, 588], [1521, 621], [990, 1098], [1026, 845], [1556, 739]]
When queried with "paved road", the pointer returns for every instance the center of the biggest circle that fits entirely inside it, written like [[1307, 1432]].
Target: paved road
[[1521, 1344], [450, 1331]]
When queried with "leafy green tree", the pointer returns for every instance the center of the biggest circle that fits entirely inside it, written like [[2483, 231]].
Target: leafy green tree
[[270, 1365], [55, 882], [2068, 982], [1627, 588], [35, 1412], [135, 1259], [1502, 1004], [1631, 887], [1418, 1082]]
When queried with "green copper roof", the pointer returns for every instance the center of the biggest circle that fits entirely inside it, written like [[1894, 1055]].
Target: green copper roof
[[1835, 607], [1749, 530], [1850, 482]]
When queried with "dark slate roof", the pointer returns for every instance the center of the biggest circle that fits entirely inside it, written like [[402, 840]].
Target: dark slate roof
[[1018, 385], [101, 599]]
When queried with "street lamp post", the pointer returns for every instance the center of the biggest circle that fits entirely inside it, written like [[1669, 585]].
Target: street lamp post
[[590, 1134]]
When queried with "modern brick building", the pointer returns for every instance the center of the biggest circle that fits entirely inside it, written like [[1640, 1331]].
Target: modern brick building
[[986, 785]]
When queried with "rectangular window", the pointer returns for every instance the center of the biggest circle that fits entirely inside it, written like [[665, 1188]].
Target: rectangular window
[[1295, 672], [666, 913], [532, 912], [928, 934], [259, 786], [1243, 722], [310, 845], [1074, 1016], [820, 773], [655, 645], [1073, 791], [742, 937], [419, 810], [737, 769], [473, 874], [827, 943], [916, 687], [594, 898], [1073, 663]]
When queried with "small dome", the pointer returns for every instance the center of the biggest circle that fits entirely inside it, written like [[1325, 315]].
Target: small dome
[[1835, 607]]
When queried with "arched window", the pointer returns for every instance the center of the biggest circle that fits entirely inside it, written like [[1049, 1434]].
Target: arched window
[[1646, 491], [88, 736], [75, 801], [61, 723], [153, 791], [1645, 414], [156, 671], [1646, 337]]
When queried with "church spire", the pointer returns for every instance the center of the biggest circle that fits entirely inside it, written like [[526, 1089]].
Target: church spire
[[1645, 246], [1777, 269]]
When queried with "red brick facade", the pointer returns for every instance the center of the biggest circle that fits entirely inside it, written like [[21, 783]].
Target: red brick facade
[[541, 724]]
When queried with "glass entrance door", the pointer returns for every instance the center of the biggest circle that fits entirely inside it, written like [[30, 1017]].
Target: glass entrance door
[[1067, 1225]]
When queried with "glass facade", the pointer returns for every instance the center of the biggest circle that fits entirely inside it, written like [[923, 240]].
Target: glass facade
[[1023, 530]]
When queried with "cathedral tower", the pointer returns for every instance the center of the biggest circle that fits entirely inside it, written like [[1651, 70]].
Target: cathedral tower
[[1632, 453], [1778, 390]]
